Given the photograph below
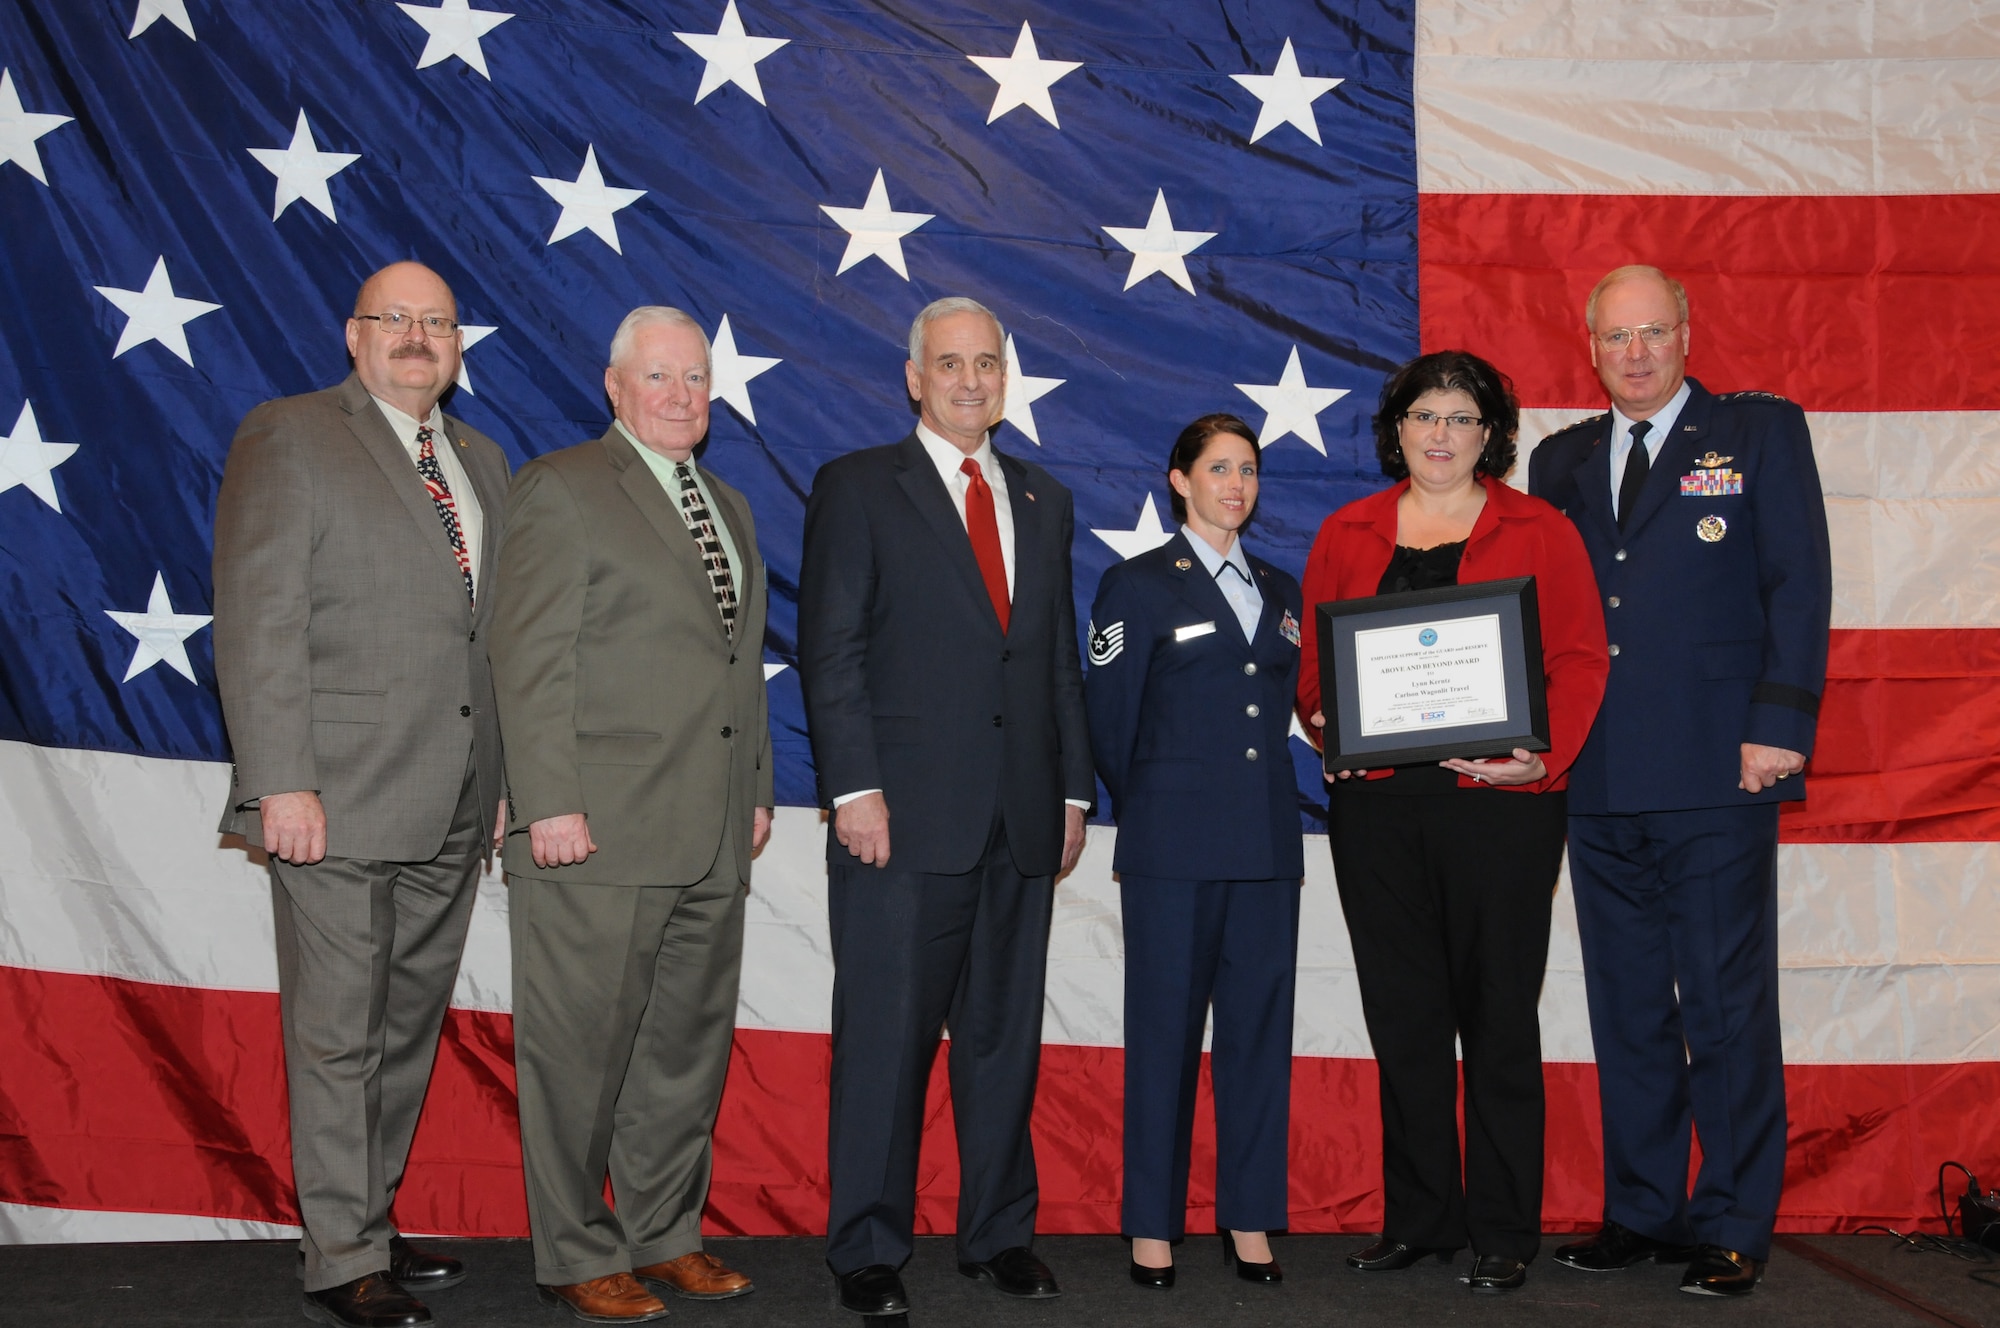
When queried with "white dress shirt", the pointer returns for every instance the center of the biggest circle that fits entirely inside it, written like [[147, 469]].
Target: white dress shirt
[[1231, 574], [471, 521], [948, 458], [1663, 421]]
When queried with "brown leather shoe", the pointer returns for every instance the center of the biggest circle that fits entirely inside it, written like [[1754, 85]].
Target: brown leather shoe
[[615, 1299], [697, 1275]]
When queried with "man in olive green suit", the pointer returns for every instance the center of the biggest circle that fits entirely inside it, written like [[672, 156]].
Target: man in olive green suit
[[628, 665]]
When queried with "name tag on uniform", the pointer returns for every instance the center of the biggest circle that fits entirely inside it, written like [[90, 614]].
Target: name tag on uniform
[[1193, 630]]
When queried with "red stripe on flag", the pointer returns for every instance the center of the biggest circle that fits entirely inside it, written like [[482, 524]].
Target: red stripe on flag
[[1908, 732], [1840, 303], [125, 1096]]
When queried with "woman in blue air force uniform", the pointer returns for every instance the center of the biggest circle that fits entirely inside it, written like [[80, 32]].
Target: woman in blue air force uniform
[[1194, 652]]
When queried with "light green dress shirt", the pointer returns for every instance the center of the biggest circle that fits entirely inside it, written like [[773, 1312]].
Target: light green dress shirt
[[663, 471]]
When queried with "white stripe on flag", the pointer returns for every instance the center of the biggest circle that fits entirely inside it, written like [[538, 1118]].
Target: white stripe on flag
[[1890, 954]]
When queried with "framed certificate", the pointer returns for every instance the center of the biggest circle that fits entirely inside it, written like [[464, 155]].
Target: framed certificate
[[1418, 677]]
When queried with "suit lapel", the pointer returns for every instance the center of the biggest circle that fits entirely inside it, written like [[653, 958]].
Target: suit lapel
[[1676, 457], [746, 573], [1026, 507], [1201, 593], [925, 490], [378, 440], [1593, 484], [639, 483], [491, 497]]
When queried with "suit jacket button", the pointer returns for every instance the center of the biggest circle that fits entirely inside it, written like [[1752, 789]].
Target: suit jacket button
[[1250, 755], [1251, 711], [465, 710], [1613, 601], [1006, 655], [998, 721], [1614, 650], [1250, 668], [473, 637], [726, 730], [1620, 555]]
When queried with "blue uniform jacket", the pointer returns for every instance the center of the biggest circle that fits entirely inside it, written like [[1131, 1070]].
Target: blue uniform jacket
[[1717, 598], [1190, 731]]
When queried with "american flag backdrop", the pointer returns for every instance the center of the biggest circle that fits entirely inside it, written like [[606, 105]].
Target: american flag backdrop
[[1174, 208]]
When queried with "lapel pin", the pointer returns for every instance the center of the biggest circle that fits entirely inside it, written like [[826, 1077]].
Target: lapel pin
[[1711, 529], [1183, 564]]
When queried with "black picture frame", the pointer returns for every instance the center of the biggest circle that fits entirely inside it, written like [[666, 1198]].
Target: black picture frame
[[1527, 723]]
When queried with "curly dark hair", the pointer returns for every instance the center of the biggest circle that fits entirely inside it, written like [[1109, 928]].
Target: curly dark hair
[[1193, 441], [1448, 371]]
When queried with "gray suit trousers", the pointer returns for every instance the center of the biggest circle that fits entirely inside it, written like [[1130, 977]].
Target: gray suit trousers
[[624, 1013], [368, 951]]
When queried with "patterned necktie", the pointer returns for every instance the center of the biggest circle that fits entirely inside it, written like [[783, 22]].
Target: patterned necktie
[[694, 510], [447, 509], [984, 528], [1638, 464]]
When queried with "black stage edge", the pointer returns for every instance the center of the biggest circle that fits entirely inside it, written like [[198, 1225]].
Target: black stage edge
[[1816, 1281]]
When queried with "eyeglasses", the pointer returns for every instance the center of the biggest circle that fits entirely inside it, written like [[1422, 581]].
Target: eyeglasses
[[398, 324], [1655, 335], [1424, 419]]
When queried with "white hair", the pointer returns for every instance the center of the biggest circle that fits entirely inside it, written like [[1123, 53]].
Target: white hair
[[1618, 274], [936, 309], [651, 315]]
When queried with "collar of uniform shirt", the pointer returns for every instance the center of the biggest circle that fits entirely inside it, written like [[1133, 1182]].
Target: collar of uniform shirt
[[1663, 424], [406, 426], [1245, 600]]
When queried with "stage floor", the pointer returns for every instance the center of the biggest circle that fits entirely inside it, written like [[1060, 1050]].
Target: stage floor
[[1843, 1281]]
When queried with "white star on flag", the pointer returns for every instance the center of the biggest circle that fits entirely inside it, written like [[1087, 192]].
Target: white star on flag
[[875, 230], [1287, 96], [588, 203], [454, 28], [773, 670], [152, 11], [28, 461], [303, 170], [1298, 731], [730, 371], [1023, 391], [1291, 406], [470, 336], [19, 128], [1148, 534], [1024, 78], [1158, 247], [162, 633], [732, 55], [156, 314]]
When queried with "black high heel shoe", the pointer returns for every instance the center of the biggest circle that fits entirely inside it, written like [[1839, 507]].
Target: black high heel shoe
[[1159, 1278], [1267, 1274]]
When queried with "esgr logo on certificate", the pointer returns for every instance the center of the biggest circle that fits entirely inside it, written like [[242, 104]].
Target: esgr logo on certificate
[[1430, 675]]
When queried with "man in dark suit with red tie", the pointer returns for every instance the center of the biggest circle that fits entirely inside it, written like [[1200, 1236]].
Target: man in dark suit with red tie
[[937, 647]]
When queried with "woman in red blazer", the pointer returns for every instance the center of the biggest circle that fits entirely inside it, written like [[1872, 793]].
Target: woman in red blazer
[[1446, 872]]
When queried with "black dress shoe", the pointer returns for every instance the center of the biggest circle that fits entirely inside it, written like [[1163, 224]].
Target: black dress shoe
[[873, 1290], [420, 1270], [374, 1301], [1392, 1256], [1161, 1278], [1015, 1271], [1267, 1273], [1495, 1273], [1715, 1271], [1614, 1247]]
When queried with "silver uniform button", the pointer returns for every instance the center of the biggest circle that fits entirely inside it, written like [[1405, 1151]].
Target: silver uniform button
[[1614, 601], [1251, 711], [1250, 755], [1620, 555], [1614, 650], [1250, 668]]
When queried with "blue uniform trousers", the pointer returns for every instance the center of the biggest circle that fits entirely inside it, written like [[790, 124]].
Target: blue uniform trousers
[[1187, 943], [1679, 919]]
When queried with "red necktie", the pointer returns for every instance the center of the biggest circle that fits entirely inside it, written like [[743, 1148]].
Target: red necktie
[[984, 528]]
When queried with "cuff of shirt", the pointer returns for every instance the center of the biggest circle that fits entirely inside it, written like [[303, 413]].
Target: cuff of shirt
[[846, 798], [1077, 803]]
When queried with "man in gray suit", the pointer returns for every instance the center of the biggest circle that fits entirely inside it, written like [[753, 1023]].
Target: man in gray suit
[[628, 662], [355, 539]]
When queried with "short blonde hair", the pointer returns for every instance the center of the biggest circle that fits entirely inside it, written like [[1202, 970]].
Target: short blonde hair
[[1618, 274]]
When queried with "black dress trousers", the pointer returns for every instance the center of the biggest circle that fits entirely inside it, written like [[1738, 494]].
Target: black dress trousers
[[1447, 896]]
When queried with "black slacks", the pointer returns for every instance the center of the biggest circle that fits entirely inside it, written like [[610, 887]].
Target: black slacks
[[1447, 897], [913, 951]]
